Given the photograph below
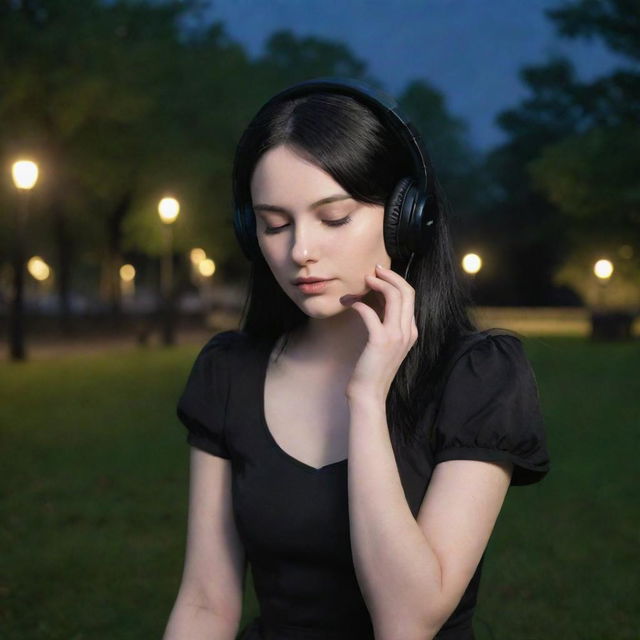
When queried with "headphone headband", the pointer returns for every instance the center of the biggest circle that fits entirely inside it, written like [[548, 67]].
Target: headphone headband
[[380, 101], [407, 217]]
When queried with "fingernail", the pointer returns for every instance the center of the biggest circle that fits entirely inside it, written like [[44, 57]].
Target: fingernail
[[379, 266]]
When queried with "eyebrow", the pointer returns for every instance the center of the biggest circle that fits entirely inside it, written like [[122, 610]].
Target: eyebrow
[[327, 200]]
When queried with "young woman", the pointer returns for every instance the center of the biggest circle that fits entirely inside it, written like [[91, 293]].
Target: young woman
[[355, 439]]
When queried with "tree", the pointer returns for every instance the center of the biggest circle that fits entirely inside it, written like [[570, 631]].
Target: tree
[[74, 95], [591, 173], [564, 125], [111, 98], [457, 164]]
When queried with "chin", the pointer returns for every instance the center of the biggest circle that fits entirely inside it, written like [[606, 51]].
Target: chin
[[315, 308]]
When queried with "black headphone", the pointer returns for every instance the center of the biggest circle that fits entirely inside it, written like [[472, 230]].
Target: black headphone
[[406, 220]]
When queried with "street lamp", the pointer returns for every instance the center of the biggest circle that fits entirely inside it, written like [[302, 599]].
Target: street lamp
[[38, 268], [168, 210], [472, 263], [607, 322], [206, 269], [603, 270], [25, 176], [196, 256], [40, 271], [127, 274]]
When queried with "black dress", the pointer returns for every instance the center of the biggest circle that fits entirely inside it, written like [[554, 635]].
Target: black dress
[[293, 518]]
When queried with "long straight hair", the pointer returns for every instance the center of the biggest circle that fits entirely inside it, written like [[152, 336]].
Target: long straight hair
[[346, 139]]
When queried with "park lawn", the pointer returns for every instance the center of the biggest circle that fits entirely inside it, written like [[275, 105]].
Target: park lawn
[[95, 480]]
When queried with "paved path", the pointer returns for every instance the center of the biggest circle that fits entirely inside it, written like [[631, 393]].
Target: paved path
[[535, 321], [39, 348]]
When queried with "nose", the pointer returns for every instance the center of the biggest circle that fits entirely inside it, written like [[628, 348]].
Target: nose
[[303, 249]]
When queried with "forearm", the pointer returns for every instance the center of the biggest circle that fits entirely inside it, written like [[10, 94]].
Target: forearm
[[196, 622], [397, 570]]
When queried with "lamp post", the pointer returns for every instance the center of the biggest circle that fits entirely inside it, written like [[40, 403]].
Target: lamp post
[[127, 274], [25, 176], [40, 272], [471, 264], [607, 323], [603, 270], [206, 269], [168, 210], [196, 256]]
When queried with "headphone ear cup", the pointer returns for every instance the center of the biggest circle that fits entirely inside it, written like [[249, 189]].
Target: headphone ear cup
[[396, 218], [244, 225]]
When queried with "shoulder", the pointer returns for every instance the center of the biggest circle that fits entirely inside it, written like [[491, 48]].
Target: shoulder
[[491, 354], [232, 351], [489, 366], [490, 407], [225, 341], [223, 345]]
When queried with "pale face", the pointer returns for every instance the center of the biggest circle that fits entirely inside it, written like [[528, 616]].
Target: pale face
[[306, 245]]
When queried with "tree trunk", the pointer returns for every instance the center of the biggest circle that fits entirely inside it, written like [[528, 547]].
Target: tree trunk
[[65, 249], [113, 258]]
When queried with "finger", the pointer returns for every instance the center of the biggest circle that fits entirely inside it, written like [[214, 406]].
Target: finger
[[394, 277], [369, 317], [393, 301], [408, 296]]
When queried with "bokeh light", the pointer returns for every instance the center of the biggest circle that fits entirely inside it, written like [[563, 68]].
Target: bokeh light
[[127, 272], [472, 263], [197, 255], [38, 268], [603, 269], [207, 267], [25, 174], [168, 208]]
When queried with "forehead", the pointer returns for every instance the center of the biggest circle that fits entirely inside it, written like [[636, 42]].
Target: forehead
[[282, 177]]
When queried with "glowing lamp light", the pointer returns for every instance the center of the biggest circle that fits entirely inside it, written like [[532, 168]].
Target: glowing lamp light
[[603, 269], [24, 173], [207, 267], [197, 256], [168, 208], [127, 272], [38, 268], [472, 263]]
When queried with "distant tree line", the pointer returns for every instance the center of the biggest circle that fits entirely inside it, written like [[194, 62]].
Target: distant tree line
[[124, 102]]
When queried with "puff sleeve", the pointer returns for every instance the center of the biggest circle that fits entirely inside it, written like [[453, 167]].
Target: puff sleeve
[[202, 405], [490, 410]]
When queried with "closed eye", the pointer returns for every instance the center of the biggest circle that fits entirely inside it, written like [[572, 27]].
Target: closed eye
[[331, 223]]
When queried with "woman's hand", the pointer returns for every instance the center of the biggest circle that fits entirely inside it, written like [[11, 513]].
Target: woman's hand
[[390, 340]]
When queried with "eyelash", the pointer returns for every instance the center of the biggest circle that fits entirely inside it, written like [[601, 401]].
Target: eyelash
[[331, 223]]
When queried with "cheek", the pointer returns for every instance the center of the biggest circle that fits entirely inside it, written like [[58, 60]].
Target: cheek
[[276, 261], [271, 249], [368, 239]]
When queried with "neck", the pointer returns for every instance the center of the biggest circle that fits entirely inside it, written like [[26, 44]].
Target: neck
[[338, 339]]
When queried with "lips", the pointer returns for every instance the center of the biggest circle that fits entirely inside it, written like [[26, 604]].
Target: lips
[[308, 280], [313, 287]]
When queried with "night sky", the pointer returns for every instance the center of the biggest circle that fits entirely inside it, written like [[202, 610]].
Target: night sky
[[471, 50]]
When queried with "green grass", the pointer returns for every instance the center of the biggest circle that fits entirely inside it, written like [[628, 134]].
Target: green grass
[[94, 500]]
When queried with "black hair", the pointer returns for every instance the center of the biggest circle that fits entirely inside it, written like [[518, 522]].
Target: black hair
[[347, 140]]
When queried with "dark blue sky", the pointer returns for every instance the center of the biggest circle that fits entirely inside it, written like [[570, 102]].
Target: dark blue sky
[[471, 50]]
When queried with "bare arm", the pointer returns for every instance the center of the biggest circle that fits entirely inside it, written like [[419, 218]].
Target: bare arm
[[413, 573], [192, 622], [209, 601]]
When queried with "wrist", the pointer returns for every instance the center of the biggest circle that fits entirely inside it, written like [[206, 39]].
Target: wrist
[[365, 396]]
